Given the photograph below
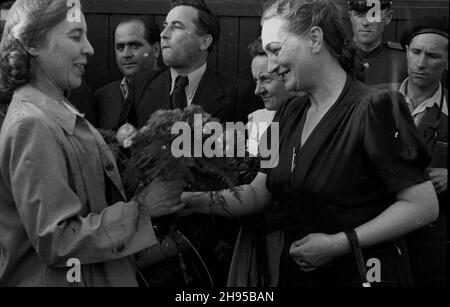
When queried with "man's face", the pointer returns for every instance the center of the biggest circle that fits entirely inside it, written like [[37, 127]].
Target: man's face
[[366, 33], [268, 85], [181, 45], [427, 56], [133, 52]]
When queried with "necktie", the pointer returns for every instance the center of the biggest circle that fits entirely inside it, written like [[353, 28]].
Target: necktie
[[179, 99]]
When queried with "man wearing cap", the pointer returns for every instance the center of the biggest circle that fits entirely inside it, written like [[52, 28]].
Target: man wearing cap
[[384, 62], [427, 55]]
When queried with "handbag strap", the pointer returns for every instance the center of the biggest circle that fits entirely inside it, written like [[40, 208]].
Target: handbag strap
[[357, 252]]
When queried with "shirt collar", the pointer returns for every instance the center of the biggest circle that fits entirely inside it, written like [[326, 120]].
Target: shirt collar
[[429, 103], [194, 80], [124, 88], [58, 111]]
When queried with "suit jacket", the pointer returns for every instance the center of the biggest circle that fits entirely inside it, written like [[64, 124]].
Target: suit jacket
[[83, 99], [227, 98], [109, 102]]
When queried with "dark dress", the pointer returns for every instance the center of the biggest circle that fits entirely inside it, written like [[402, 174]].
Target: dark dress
[[362, 153]]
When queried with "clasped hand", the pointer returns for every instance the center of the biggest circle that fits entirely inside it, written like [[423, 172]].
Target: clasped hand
[[161, 198], [315, 251], [439, 178]]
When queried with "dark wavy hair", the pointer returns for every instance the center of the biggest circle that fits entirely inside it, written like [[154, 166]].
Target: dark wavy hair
[[206, 23], [256, 48], [302, 15], [27, 25], [152, 30]]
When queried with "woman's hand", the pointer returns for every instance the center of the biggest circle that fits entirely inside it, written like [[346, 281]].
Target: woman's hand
[[161, 198], [195, 202], [317, 250], [439, 178]]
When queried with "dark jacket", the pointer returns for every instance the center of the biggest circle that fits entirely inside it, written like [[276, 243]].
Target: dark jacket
[[109, 103], [385, 64], [4, 102], [83, 99], [227, 98]]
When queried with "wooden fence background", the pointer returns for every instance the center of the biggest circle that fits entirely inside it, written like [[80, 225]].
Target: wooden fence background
[[239, 20]]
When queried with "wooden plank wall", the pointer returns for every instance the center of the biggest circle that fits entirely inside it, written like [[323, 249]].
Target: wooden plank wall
[[240, 25]]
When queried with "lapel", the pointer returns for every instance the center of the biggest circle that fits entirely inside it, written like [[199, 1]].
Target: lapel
[[209, 94], [158, 93], [113, 105], [320, 135], [155, 96]]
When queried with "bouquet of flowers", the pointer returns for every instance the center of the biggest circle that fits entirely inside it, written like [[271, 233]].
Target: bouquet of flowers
[[160, 151]]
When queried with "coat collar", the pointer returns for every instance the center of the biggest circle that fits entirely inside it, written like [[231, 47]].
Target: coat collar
[[57, 110]]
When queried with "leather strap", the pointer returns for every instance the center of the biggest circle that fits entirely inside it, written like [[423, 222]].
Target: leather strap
[[357, 252]]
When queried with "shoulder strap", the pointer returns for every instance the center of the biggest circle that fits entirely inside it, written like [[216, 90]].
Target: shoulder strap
[[395, 46]]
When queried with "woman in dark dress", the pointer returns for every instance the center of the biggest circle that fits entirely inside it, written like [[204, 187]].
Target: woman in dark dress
[[351, 169]]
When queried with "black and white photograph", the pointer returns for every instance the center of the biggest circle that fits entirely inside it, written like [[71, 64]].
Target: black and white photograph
[[239, 147]]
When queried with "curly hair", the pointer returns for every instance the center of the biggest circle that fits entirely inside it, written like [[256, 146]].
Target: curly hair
[[302, 15], [27, 26]]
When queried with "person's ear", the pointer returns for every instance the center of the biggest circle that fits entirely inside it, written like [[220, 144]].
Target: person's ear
[[33, 51], [389, 16], [156, 50], [316, 39], [206, 42]]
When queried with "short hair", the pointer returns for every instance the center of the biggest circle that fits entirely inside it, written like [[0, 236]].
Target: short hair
[[206, 23], [27, 25], [256, 49], [426, 24], [152, 32]]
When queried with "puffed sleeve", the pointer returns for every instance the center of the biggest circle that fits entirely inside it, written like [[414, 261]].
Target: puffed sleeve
[[392, 143], [53, 216]]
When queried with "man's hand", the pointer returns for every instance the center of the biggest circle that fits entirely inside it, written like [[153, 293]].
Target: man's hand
[[161, 198], [439, 178]]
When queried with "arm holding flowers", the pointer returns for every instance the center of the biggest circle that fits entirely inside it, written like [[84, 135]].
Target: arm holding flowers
[[254, 198]]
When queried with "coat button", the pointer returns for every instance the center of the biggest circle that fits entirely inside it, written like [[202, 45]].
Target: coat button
[[109, 167]]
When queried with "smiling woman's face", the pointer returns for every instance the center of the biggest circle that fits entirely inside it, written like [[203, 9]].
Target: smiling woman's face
[[63, 57], [289, 55]]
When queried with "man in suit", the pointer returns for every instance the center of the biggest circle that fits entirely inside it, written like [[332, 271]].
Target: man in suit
[[190, 32], [384, 62], [137, 48]]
